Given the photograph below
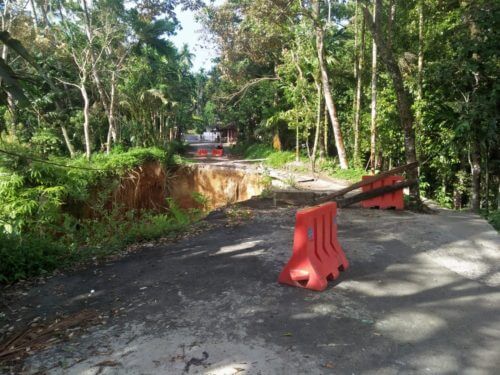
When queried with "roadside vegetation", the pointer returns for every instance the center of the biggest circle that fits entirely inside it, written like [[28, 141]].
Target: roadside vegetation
[[288, 160], [58, 214]]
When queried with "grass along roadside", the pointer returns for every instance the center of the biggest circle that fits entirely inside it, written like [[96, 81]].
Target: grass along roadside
[[286, 160]]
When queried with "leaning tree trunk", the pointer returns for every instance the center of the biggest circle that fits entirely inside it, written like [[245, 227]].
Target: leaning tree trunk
[[330, 104], [403, 100], [67, 141], [318, 127]]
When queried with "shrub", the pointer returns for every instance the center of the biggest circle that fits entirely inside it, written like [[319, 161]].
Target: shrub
[[275, 159], [37, 235], [280, 158], [493, 218], [330, 167], [29, 255]]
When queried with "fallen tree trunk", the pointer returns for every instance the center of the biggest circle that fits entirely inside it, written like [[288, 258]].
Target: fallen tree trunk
[[375, 193], [380, 176]]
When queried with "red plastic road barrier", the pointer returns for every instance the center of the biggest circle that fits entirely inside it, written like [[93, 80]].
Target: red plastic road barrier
[[389, 200], [317, 256], [217, 152], [202, 152]]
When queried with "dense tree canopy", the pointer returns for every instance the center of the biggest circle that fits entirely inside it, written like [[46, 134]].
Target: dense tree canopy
[[94, 74]]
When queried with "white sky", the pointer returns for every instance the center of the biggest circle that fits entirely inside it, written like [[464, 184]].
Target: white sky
[[191, 35]]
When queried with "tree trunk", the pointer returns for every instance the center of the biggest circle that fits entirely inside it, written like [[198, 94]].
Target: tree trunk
[[297, 146], [318, 127], [420, 90], [86, 119], [35, 17], [390, 22], [475, 152], [330, 104], [67, 141], [475, 165], [111, 115], [44, 13], [359, 57], [373, 126], [11, 104], [355, 97], [403, 100], [420, 64], [487, 184], [105, 100], [325, 128], [497, 192]]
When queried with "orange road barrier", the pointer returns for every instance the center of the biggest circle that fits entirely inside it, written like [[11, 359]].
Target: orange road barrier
[[202, 152], [389, 200], [217, 152], [317, 255]]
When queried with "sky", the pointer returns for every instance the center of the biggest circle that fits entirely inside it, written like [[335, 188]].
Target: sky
[[191, 35]]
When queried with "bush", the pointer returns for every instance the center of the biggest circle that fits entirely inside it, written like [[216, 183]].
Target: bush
[[279, 158], [493, 218], [29, 255], [275, 159], [37, 235], [330, 167], [258, 151]]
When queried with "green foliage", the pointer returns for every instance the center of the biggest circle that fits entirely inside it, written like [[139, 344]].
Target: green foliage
[[331, 169], [28, 255], [275, 159], [45, 142], [443, 199], [32, 254], [257, 151], [493, 218], [201, 200], [37, 232], [279, 159]]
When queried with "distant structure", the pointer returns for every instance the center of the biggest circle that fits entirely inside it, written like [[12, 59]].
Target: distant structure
[[228, 134], [210, 135]]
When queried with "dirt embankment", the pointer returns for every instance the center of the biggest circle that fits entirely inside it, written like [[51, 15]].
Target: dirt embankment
[[149, 186], [219, 185], [145, 187]]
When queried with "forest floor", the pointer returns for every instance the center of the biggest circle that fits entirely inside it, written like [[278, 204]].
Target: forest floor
[[422, 295]]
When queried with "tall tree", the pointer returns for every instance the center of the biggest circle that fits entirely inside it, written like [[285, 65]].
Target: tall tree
[[373, 123], [330, 104], [359, 48], [403, 97]]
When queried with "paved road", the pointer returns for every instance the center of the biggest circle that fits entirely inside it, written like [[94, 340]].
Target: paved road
[[422, 296]]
